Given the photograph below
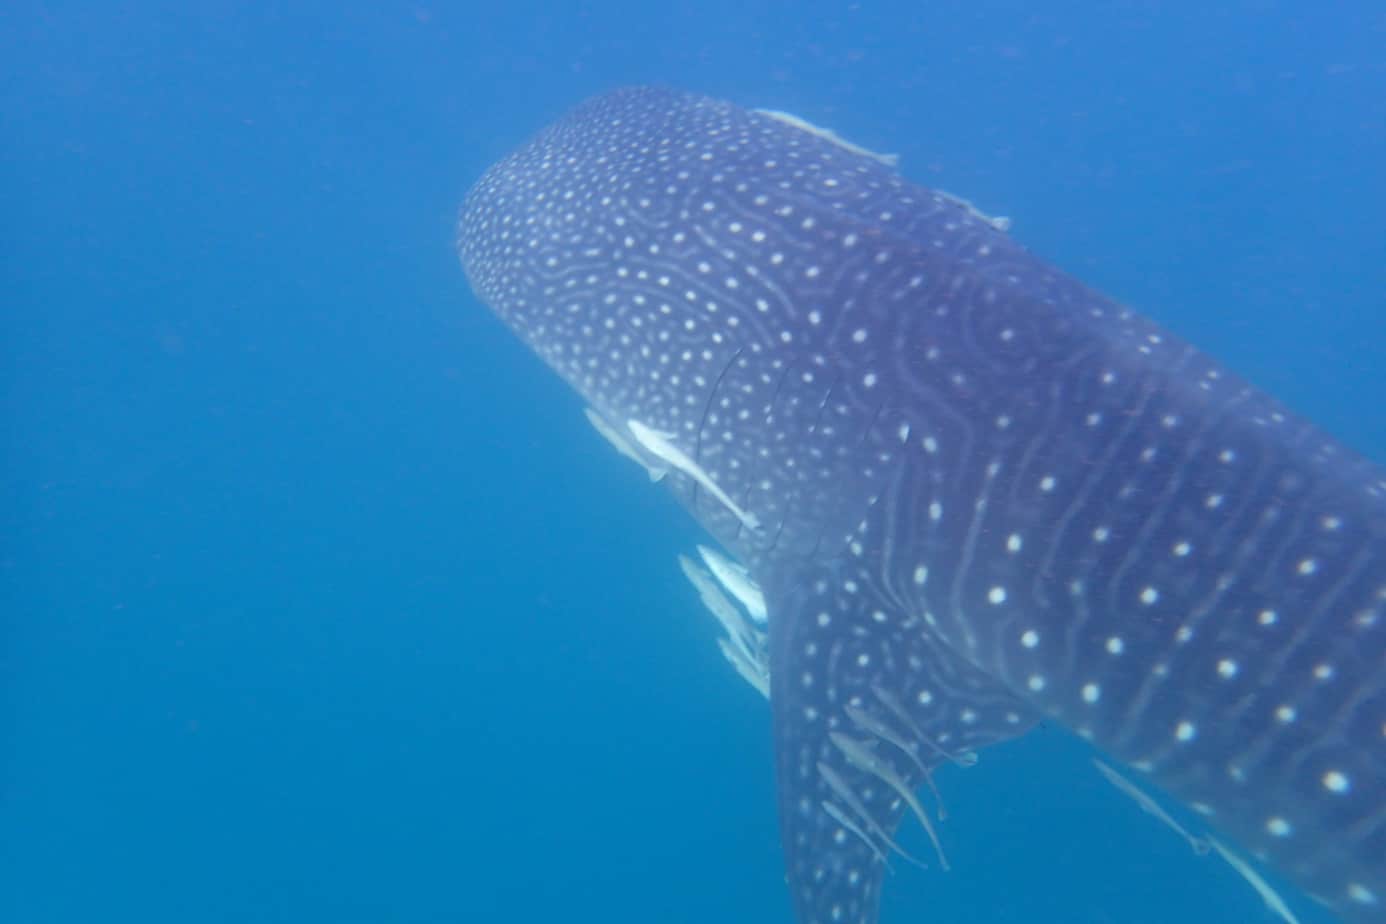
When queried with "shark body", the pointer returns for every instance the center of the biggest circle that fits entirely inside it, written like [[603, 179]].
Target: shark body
[[973, 492]]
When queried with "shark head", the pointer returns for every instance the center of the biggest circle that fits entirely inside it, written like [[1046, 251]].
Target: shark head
[[967, 491]]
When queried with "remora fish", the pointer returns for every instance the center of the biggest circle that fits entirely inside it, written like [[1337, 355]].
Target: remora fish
[[973, 492]]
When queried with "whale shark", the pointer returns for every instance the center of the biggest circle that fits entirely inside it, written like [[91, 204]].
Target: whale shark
[[960, 492]]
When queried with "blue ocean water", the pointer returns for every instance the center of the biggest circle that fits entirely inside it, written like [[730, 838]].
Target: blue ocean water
[[319, 601]]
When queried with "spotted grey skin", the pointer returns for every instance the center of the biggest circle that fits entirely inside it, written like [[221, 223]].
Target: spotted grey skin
[[975, 492]]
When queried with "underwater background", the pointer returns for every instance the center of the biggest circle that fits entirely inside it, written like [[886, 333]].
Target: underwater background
[[320, 600]]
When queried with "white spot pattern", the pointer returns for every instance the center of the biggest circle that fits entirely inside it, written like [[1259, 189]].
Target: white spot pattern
[[671, 285]]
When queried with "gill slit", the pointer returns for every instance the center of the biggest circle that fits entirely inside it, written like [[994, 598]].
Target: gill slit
[[702, 423]]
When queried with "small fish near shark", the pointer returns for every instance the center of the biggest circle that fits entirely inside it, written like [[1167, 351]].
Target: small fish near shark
[[961, 493]]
